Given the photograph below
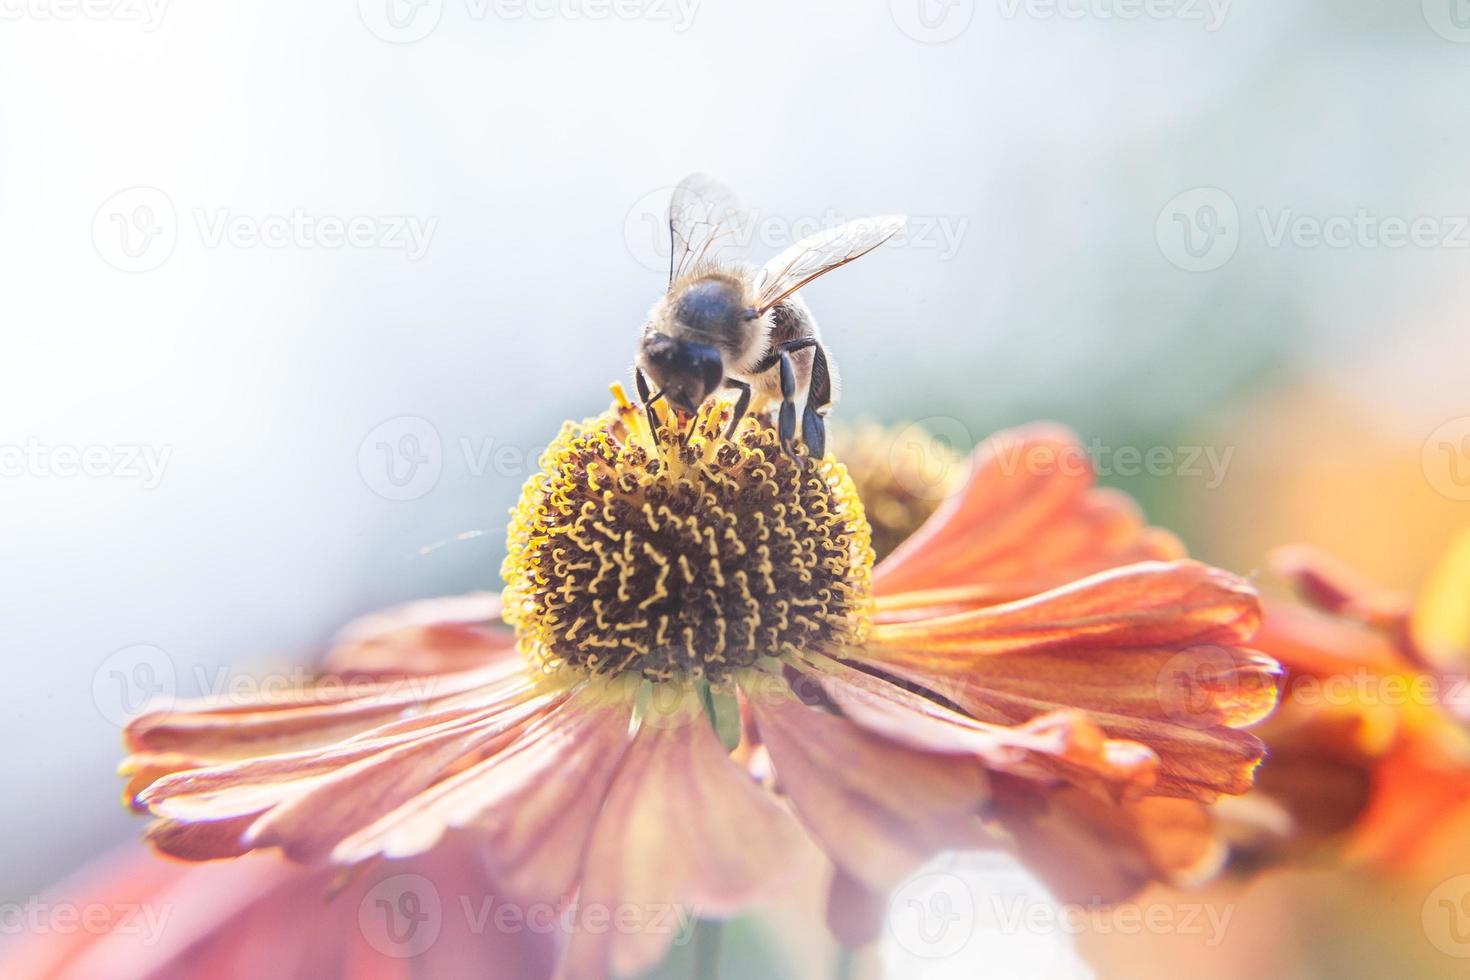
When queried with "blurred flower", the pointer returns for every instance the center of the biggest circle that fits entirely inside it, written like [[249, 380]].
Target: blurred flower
[[134, 917], [1369, 747], [902, 475], [691, 611]]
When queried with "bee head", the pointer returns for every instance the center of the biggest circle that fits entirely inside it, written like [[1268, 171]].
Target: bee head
[[686, 372]]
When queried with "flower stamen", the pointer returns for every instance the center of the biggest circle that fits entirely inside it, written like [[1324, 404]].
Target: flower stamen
[[680, 554]]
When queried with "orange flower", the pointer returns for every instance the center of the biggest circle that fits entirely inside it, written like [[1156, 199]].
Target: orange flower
[[691, 612], [1369, 744]]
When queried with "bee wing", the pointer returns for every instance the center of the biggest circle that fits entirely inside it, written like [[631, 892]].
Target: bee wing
[[703, 216], [818, 255]]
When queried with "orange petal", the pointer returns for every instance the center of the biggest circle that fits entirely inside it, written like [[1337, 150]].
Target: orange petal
[[532, 804], [307, 802], [1414, 797], [1148, 651], [201, 840], [682, 827], [879, 809], [431, 636], [1306, 641], [312, 821], [1150, 603], [1332, 586], [1028, 518], [1063, 744], [321, 714], [1092, 851]]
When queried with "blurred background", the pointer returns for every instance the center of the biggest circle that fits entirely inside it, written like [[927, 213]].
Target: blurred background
[[293, 294]]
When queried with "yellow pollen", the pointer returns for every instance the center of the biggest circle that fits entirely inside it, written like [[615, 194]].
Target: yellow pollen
[[680, 554]]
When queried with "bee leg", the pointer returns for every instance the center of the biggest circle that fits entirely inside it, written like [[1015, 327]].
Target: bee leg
[[786, 425], [647, 401], [789, 347], [818, 397], [742, 405]]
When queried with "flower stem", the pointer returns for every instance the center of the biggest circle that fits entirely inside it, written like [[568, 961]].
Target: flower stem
[[843, 963], [707, 936]]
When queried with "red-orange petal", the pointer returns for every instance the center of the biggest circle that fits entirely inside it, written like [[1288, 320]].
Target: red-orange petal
[[1146, 604], [1149, 651], [1027, 518], [1063, 744]]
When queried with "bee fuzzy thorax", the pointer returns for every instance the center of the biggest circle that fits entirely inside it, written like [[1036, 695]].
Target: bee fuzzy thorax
[[671, 556]]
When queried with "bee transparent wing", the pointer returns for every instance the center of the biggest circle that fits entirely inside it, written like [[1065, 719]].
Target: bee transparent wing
[[704, 216], [818, 255]]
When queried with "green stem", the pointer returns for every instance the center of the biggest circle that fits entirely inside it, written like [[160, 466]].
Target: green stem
[[844, 963], [707, 936]]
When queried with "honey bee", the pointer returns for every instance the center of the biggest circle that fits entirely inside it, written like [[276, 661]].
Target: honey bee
[[728, 326]]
